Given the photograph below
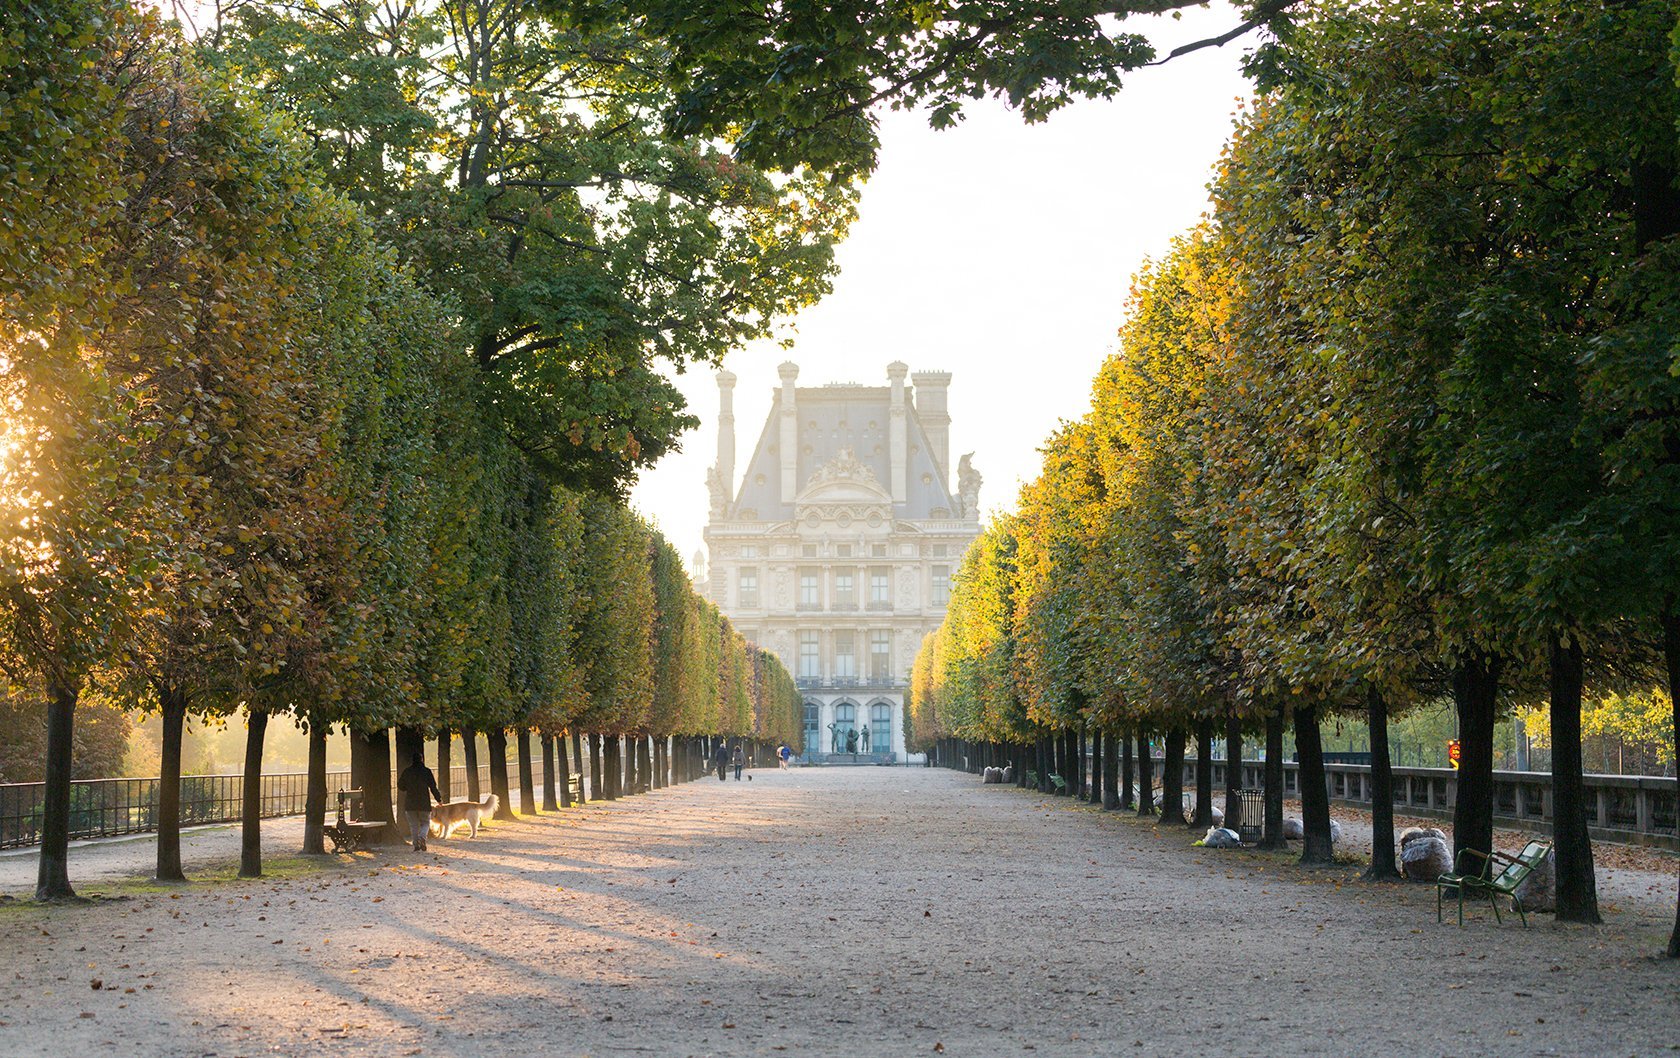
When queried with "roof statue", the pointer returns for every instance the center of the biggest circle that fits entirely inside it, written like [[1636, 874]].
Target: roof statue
[[968, 487], [719, 491]]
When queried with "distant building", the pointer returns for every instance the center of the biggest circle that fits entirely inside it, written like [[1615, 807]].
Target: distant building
[[837, 548]]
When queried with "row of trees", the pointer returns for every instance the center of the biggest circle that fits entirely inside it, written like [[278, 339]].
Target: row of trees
[[1400, 420], [328, 340]]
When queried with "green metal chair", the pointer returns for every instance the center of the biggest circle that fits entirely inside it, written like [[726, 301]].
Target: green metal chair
[[1513, 869]]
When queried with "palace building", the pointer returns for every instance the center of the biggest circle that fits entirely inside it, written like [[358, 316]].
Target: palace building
[[837, 546]]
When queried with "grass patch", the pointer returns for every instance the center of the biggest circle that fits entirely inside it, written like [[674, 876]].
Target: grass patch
[[212, 875]]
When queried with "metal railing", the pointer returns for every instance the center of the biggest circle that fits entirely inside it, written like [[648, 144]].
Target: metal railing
[[1640, 809], [880, 683], [101, 808]]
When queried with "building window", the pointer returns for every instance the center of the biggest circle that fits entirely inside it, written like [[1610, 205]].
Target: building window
[[941, 585], [749, 551], [880, 587], [880, 655], [810, 597], [747, 587], [842, 550], [880, 728], [808, 551], [843, 593], [878, 551], [845, 662], [812, 711], [936, 550], [810, 661]]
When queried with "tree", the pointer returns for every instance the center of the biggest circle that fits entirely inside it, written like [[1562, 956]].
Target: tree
[[513, 157]]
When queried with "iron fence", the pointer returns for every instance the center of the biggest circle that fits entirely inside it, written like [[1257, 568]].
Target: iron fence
[[102, 808]]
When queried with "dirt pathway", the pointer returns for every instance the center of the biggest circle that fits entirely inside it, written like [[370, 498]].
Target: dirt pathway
[[824, 911]]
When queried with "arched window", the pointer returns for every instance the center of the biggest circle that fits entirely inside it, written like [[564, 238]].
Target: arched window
[[880, 728]]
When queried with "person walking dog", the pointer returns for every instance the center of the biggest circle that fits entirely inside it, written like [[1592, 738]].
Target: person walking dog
[[418, 786]]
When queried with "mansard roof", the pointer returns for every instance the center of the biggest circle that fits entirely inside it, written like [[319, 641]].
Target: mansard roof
[[831, 419]]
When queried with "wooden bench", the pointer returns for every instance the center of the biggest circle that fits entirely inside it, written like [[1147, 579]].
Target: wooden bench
[[350, 834], [1482, 880]]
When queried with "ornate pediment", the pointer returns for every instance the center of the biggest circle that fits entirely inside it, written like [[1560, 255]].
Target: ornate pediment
[[845, 479]]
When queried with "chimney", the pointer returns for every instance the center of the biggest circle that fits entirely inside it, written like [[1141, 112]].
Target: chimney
[[930, 408], [790, 432], [726, 431], [898, 432]]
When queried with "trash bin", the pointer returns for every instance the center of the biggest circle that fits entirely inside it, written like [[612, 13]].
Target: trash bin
[[1252, 825]]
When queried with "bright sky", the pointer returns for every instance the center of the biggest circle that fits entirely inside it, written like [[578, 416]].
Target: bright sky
[[998, 251]]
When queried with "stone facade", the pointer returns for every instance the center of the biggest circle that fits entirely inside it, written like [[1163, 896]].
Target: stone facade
[[837, 547]]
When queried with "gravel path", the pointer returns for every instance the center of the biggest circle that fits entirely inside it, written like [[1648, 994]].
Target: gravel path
[[821, 911]]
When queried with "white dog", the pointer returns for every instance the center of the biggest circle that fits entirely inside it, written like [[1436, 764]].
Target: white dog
[[452, 814]]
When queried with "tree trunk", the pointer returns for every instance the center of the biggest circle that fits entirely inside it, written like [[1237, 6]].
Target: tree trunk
[[1081, 774], [1383, 868], [1671, 654], [1476, 695], [250, 805], [1146, 776], [1233, 771], [469, 757], [376, 788], [496, 741], [1577, 890], [527, 781], [169, 791], [563, 769], [52, 877], [650, 774], [1316, 847], [410, 740], [359, 756], [549, 803], [315, 792], [1204, 775], [1271, 837], [1094, 791], [1111, 771], [577, 758], [445, 764], [1172, 779], [597, 789], [1126, 782]]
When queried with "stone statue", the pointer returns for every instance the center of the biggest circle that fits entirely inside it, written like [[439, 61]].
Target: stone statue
[[968, 487], [720, 491], [863, 738], [834, 732]]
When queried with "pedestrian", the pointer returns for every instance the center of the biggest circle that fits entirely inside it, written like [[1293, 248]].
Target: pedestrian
[[418, 786], [784, 754], [864, 740], [720, 759], [739, 760]]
